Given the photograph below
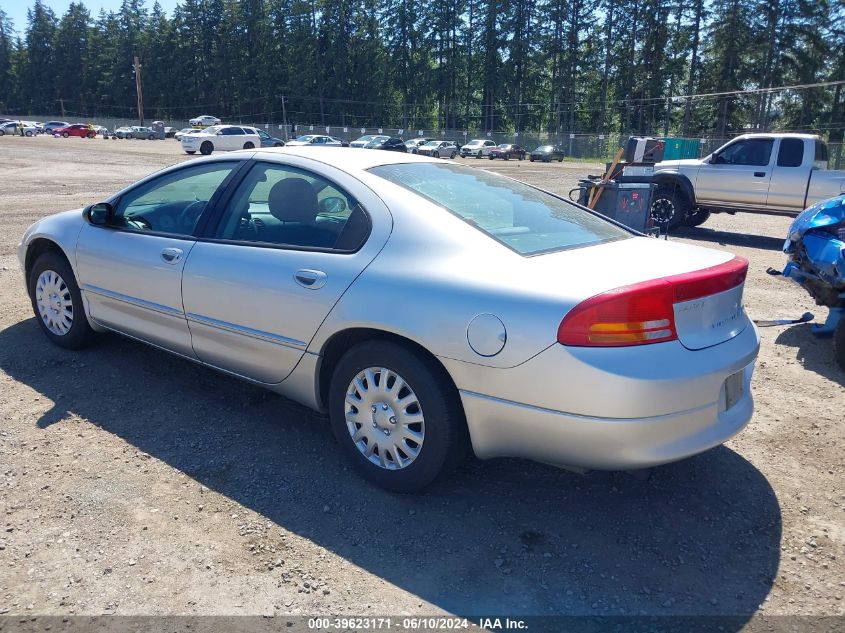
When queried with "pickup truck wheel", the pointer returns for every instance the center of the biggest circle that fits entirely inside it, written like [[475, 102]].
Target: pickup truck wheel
[[396, 416], [669, 208], [839, 343], [696, 218], [206, 148]]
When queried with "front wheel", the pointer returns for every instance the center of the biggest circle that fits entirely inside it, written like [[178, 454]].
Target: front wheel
[[452, 156], [206, 148], [435, 155], [396, 416], [57, 302], [65, 135], [669, 208]]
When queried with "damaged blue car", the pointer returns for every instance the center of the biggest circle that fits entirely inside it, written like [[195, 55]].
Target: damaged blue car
[[816, 249]]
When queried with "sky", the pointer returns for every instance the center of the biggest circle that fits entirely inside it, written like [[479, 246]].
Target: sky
[[16, 9]]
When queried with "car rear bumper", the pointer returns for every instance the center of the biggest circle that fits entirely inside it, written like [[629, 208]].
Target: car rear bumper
[[500, 428]]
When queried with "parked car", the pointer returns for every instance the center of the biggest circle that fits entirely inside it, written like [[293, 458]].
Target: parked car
[[12, 128], [206, 120], [477, 147], [50, 126], [266, 139], [758, 173], [391, 144], [507, 151], [185, 130], [414, 144], [142, 132], [483, 341], [438, 149], [316, 139], [77, 129], [220, 137], [547, 153], [170, 132], [367, 138]]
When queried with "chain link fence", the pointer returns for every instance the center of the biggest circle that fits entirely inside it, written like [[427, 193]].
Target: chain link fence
[[598, 148]]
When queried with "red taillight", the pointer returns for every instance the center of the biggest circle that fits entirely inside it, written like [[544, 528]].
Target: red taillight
[[644, 312]]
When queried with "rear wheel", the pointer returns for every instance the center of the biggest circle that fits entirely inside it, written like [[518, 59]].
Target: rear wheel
[[696, 217], [206, 148], [396, 416], [248, 145], [57, 302], [190, 151], [669, 207]]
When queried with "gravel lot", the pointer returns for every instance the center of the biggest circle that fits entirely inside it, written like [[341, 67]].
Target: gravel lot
[[137, 483]]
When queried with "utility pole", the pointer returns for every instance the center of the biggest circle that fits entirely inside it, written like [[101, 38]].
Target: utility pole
[[284, 118], [62, 102], [138, 90]]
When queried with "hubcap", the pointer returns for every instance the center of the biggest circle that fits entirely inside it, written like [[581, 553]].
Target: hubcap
[[55, 306], [384, 418], [662, 210]]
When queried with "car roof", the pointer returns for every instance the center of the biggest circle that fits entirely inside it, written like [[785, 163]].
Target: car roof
[[779, 135], [344, 158]]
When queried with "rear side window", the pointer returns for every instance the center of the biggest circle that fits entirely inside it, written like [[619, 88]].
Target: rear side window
[[522, 218], [821, 152], [231, 131], [791, 153]]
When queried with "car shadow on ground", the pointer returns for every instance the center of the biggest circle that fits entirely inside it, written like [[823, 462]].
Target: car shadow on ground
[[726, 238], [701, 537], [813, 352]]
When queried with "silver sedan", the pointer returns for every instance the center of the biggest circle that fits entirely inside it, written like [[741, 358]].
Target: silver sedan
[[427, 308]]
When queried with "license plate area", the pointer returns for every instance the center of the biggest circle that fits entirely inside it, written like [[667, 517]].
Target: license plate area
[[732, 390]]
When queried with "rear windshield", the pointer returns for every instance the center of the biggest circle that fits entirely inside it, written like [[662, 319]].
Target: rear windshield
[[524, 219]]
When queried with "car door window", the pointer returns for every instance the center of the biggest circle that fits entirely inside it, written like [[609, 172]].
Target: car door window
[[231, 131], [171, 203], [286, 206], [752, 151], [791, 152]]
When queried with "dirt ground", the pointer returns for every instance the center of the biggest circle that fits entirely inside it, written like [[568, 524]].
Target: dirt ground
[[137, 483]]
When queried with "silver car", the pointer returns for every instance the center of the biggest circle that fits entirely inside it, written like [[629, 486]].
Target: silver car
[[427, 307]]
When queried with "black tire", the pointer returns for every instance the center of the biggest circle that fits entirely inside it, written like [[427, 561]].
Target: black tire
[[435, 154], [151, 137], [65, 135], [249, 145], [278, 145], [80, 332], [190, 151], [206, 148], [446, 438], [452, 156], [478, 155], [531, 159], [560, 160], [696, 217], [839, 343], [669, 207]]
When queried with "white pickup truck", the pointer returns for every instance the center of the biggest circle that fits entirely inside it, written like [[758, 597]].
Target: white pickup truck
[[779, 174]]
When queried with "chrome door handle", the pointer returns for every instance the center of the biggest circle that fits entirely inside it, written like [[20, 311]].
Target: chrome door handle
[[171, 255], [311, 279]]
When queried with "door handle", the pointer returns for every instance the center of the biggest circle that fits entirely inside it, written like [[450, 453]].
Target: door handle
[[311, 279], [171, 255], [759, 174]]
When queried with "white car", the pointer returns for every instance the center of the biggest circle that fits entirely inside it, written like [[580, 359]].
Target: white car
[[367, 138], [315, 139], [185, 130], [478, 147], [11, 128], [220, 137], [205, 120]]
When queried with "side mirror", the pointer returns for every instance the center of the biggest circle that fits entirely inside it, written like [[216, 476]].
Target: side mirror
[[99, 214], [220, 133], [332, 204]]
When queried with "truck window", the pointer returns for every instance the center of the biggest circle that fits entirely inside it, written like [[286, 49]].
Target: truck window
[[751, 151], [821, 152], [791, 153]]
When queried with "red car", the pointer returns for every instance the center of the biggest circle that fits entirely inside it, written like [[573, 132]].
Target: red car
[[508, 151], [77, 129]]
